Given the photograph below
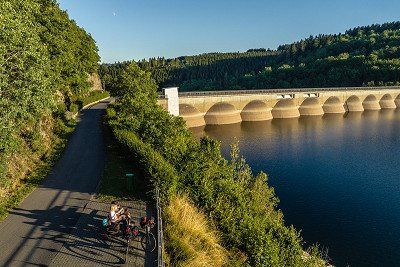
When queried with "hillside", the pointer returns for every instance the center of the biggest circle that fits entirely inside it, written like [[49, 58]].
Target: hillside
[[45, 64], [363, 56]]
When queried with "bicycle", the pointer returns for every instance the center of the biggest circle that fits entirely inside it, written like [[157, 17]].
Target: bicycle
[[148, 241], [124, 229]]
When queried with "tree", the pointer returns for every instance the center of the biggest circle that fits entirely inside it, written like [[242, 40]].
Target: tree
[[133, 81]]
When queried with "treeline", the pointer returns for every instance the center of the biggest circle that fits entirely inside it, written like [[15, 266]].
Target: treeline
[[216, 211], [46, 64], [363, 56]]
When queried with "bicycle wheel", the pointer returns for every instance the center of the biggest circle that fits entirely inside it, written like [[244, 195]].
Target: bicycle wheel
[[148, 242]]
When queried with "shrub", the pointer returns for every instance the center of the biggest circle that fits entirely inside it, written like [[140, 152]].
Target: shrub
[[161, 173], [74, 108], [111, 112]]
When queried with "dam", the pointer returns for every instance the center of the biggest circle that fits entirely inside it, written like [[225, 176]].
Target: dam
[[227, 107]]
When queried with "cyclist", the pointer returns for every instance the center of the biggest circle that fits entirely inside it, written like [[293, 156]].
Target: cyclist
[[116, 213]]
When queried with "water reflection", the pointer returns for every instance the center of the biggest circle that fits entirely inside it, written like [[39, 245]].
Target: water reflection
[[337, 177]]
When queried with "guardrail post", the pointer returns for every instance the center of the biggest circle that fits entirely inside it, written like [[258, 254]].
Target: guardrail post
[[160, 233]]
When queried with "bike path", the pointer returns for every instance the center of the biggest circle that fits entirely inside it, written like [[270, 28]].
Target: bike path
[[34, 233], [85, 246]]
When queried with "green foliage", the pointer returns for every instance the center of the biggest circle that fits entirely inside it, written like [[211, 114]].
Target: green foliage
[[25, 77], [363, 56], [45, 62], [113, 184], [128, 78], [74, 108], [72, 51], [152, 163], [242, 206]]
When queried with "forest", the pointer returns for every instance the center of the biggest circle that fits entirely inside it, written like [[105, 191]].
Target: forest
[[47, 64], [362, 56]]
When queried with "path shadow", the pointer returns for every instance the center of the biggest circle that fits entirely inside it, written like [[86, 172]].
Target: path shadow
[[84, 243]]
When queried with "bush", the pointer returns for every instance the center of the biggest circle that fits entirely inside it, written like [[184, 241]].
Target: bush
[[111, 112], [242, 206], [74, 108], [161, 173]]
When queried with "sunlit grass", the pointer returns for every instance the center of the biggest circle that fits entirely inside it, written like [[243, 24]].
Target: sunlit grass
[[189, 235]]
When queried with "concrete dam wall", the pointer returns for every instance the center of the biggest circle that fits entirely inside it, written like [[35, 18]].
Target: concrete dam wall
[[227, 107]]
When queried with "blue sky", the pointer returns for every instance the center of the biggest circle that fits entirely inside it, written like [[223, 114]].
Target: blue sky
[[136, 29]]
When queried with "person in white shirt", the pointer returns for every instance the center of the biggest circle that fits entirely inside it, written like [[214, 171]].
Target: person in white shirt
[[116, 213]]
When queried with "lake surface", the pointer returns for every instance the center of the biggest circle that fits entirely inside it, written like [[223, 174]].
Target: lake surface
[[337, 176]]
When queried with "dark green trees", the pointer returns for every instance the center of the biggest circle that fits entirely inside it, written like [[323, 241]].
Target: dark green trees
[[72, 51], [362, 56]]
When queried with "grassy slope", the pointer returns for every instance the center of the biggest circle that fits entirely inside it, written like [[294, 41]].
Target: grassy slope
[[191, 238], [40, 171]]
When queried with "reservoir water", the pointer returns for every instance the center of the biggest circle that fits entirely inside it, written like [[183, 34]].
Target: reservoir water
[[337, 178]]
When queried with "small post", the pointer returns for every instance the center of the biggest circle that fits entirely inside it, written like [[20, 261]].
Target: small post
[[129, 181]]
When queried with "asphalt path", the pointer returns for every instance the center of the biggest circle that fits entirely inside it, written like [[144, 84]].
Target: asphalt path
[[34, 233]]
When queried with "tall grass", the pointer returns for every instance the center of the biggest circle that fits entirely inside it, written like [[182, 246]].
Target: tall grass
[[190, 237]]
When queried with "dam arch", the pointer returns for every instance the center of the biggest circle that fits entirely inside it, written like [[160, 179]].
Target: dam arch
[[311, 107], [354, 104], [397, 101], [387, 102], [222, 113], [256, 110], [333, 105], [285, 108], [371, 103], [191, 115]]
